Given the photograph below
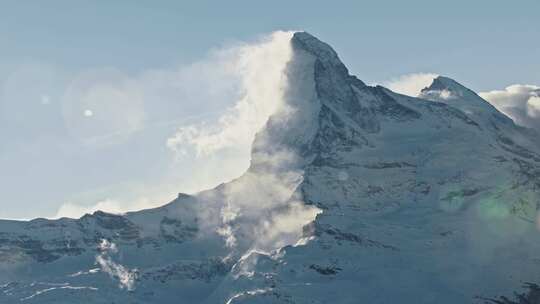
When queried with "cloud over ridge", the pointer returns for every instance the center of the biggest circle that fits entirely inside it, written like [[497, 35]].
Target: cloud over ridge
[[521, 102]]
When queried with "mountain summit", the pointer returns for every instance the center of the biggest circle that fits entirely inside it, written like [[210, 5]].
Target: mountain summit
[[441, 83], [447, 90], [355, 194]]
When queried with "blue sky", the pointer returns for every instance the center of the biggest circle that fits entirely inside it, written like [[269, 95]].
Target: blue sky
[[50, 53], [485, 43]]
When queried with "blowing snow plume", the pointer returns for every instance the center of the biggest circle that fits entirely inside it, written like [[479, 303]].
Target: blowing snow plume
[[259, 68], [126, 277], [263, 209], [203, 113]]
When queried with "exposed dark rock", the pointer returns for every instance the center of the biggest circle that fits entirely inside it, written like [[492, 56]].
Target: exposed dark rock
[[325, 270]]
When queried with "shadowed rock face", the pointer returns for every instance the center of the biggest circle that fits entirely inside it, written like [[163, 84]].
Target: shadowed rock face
[[12, 250], [424, 201]]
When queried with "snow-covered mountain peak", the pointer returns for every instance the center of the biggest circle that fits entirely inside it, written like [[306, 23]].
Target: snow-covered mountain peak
[[449, 91], [444, 89], [445, 83], [355, 194], [324, 53]]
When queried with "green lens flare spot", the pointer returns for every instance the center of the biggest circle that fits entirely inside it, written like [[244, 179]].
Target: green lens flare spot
[[493, 209]]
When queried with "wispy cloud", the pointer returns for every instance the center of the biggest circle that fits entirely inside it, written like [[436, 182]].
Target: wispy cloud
[[218, 102], [259, 68], [263, 210], [410, 84], [126, 277], [72, 210]]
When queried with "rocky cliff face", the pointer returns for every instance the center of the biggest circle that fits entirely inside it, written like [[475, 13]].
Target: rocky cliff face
[[386, 199]]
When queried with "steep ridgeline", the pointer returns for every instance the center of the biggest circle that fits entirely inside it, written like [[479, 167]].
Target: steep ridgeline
[[356, 194]]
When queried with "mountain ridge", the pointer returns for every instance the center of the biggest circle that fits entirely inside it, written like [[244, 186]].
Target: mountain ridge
[[403, 199]]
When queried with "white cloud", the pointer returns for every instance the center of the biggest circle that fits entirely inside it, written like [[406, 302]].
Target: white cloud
[[285, 227], [105, 117], [229, 213], [74, 210], [130, 103], [264, 205], [533, 106], [263, 210], [238, 86], [410, 84], [520, 102], [260, 69]]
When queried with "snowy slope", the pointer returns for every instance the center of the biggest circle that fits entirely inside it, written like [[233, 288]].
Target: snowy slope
[[356, 194]]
